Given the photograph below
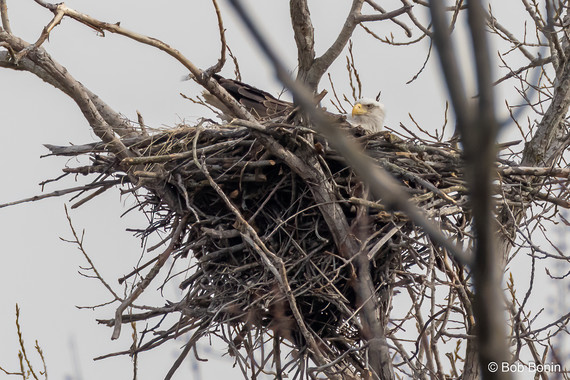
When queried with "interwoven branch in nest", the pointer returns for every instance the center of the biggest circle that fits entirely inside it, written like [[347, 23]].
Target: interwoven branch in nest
[[266, 260]]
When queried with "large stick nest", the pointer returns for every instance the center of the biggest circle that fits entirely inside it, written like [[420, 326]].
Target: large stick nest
[[230, 285]]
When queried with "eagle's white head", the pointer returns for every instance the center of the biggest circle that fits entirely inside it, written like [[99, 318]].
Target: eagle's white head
[[368, 114]]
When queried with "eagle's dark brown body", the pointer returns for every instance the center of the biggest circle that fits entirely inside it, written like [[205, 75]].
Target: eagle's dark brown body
[[258, 102]]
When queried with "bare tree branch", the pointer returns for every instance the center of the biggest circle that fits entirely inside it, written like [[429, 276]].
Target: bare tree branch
[[479, 141], [60, 75], [384, 16], [550, 138], [4, 16], [218, 66], [478, 131], [304, 36], [393, 19], [449, 64], [322, 63], [200, 76], [180, 229]]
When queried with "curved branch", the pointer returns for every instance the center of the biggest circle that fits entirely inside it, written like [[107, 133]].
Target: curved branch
[[384, 16], [394, 20], [218, 66], [200, 76]]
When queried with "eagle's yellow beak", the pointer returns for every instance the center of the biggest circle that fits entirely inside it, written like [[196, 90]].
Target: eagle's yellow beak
[[358, 109]]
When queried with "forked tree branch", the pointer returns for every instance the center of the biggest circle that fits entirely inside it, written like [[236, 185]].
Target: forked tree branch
[[393, 19], [312, 69]]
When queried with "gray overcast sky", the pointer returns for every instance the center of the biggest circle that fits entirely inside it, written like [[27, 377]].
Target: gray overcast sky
[[39, 270]]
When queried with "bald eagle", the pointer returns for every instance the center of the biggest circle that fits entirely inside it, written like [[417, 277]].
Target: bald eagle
[[366, 113]]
